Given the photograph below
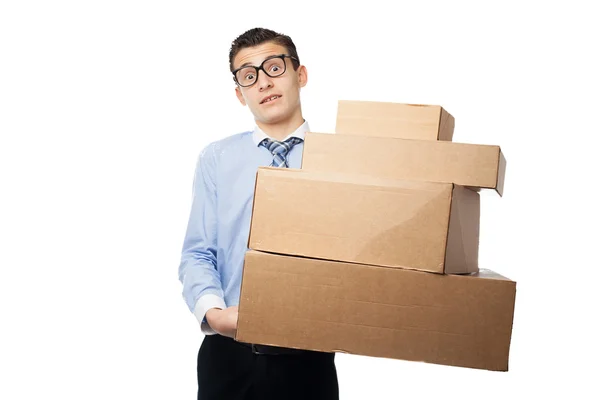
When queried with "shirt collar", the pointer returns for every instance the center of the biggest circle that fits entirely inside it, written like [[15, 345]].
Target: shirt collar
[[258, 135]]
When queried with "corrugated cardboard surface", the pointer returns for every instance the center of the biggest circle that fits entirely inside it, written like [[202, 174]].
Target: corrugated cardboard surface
[[364, 219], [376, 311], [384, 119], [472, 165]]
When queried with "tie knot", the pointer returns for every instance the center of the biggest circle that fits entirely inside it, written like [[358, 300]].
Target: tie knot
[[280, 149], [277, 147]]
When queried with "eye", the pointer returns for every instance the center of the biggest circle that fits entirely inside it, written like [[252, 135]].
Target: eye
[[249, 76], [275, 68]]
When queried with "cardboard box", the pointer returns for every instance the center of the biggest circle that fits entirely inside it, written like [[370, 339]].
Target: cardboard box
[[472, 165], [399, 120], [456, 320], [357, 218]]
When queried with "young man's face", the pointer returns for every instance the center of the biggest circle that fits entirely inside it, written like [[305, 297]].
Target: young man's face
[[286, 88]]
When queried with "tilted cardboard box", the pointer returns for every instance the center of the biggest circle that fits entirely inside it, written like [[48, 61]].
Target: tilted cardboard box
[[472, 165]]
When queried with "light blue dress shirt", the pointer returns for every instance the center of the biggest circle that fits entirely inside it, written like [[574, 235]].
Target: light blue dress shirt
[[216, 238]]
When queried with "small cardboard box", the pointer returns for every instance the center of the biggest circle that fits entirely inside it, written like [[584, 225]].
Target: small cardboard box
[[399, 120]]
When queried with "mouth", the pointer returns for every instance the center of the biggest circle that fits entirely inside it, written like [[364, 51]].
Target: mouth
[[270, 98]]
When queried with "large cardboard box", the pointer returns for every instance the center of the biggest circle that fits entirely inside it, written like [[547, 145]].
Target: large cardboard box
[[472, 165], [357, 218], [457, 320], [407, 121]]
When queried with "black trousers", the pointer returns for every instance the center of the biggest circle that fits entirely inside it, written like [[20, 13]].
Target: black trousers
[[228, 370]]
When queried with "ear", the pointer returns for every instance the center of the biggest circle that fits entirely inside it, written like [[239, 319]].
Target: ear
[[240, 96], [302, 76]]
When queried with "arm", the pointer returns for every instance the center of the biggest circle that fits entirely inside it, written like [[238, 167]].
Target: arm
[[198, 273]]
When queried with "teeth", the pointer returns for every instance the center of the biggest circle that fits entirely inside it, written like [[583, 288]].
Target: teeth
[[271, 98]]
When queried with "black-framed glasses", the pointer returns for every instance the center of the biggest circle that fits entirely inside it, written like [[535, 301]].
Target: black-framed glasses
[[273, 66]]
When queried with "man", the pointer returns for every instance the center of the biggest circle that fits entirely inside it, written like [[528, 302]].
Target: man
[[268, 77]]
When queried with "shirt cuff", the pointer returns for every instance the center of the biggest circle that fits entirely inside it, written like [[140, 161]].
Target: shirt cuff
[[204, 304]]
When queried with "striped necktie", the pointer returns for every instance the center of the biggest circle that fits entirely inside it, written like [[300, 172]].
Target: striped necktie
[[280, 150]]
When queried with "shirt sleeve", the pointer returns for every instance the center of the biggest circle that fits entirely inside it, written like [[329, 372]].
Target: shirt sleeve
[[202, 289]]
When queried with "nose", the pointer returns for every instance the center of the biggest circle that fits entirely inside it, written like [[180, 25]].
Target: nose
[[263, 81]]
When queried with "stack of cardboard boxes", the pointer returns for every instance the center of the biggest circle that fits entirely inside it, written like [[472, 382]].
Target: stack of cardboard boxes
[[371, 248]]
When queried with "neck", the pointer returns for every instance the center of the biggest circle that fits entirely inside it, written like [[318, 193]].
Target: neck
[[280, 130]]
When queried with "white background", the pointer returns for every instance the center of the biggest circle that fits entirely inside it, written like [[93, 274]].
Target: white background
[[104, 106]]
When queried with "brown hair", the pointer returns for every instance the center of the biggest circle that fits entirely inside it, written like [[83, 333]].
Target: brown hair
[[258, 36]]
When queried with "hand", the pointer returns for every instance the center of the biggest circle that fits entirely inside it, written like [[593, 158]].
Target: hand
[[224, 322]]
